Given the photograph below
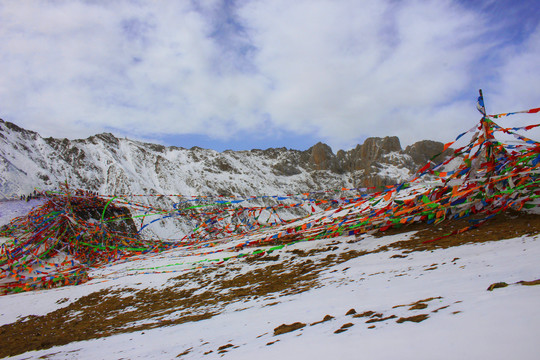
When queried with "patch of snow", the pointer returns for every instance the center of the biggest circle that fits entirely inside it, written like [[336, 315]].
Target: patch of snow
[[15, 208], [465, 320]]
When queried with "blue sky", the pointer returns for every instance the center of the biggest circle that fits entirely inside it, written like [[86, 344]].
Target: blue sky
[[265, 73]]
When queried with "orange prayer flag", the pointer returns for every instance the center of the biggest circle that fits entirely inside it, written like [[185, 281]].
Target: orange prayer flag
[[447, 145]]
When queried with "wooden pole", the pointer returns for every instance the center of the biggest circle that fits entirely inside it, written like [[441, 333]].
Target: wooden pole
[[488, 136], [485, 124]]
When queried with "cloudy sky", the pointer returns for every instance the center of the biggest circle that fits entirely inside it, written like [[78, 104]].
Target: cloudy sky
[[226, 74]]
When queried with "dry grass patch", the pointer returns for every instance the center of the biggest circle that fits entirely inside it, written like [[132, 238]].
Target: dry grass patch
[[502, 226]]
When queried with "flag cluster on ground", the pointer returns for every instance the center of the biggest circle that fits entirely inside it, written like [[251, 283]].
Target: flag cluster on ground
[[57, 243]]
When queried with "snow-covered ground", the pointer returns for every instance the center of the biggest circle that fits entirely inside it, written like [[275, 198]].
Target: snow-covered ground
[[447, 288], [15, 208]]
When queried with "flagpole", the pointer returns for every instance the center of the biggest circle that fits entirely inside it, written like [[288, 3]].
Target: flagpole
[[485, 128], [484, 116]]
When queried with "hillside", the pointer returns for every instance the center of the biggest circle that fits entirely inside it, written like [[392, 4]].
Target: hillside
[[377, 297], [109, 165], [441, 266]]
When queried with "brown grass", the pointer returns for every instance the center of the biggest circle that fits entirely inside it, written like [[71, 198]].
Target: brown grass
[[103, 313], [502, 226]]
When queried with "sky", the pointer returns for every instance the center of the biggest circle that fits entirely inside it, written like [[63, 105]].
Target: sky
[[226, 74]]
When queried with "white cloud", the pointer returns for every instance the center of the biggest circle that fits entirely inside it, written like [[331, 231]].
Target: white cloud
[[372, 68], [339, 71], [517, 85]]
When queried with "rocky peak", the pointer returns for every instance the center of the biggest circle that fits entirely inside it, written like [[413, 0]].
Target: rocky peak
[[374, 147], [424, 150], [274, 153], [107, 138], [26, 134], [321, 156], [372, 150]]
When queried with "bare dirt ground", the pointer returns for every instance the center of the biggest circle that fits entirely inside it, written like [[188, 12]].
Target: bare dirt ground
[[103, 313]]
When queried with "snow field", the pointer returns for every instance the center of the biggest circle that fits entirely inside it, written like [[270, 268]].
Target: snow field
[[465, 320]]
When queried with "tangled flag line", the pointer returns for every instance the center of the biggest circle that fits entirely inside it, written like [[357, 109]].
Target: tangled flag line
[[58, 242]]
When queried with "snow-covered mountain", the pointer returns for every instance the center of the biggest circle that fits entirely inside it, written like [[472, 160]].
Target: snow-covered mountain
[[109, 165]]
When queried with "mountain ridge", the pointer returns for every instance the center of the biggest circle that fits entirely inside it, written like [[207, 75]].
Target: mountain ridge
[[108, 164]]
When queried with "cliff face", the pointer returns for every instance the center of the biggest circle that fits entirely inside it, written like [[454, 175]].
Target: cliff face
[[422, 151], [107, 164], [376, 162]]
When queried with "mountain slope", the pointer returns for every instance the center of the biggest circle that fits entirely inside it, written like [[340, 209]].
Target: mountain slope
[[109, 165], [346, 297]]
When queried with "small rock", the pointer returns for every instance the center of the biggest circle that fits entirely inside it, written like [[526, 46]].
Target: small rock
[[343, 328], [365, 313], [326, 318], [285, 328], [378, 319], [497, 285], [418, 306], [530, 283], [225, 347], [416, 318]]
